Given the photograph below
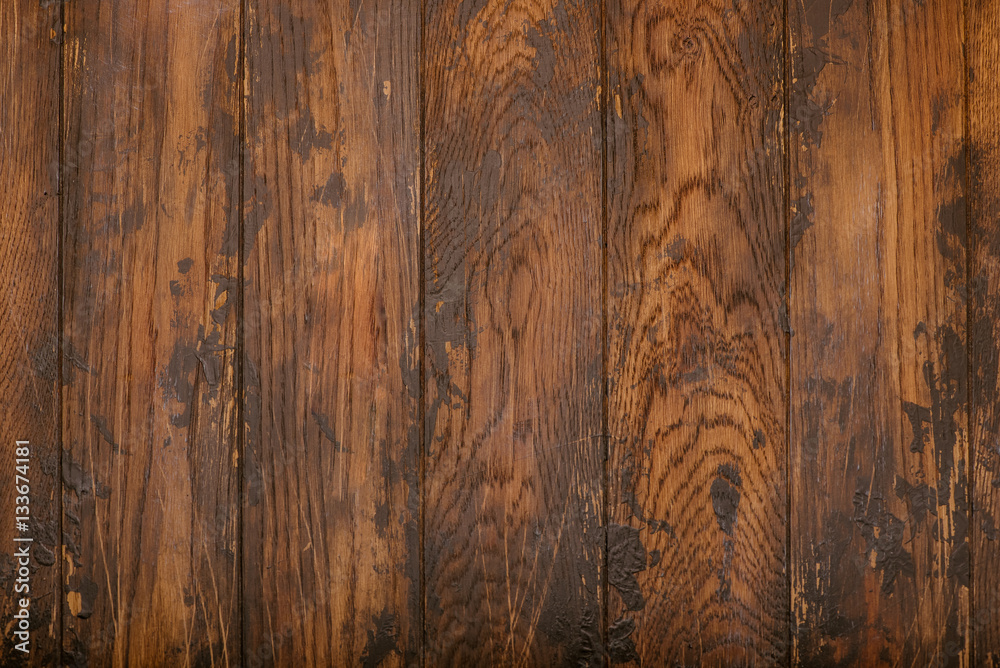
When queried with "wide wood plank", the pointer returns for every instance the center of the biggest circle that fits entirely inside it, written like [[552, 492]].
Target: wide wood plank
[[983, 49], [29, 328], [879, 554], [149, 467], [512, 540], [696, 366], [332, 349]]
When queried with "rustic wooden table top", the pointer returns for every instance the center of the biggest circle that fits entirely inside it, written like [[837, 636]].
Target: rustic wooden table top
[[500, 332]]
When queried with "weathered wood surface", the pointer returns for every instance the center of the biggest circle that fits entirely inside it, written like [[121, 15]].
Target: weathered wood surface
[[513, 549], [331, 367], [983, 49], [879, 549], [150, 489], [520, 332], [29, 326], [696, 363]]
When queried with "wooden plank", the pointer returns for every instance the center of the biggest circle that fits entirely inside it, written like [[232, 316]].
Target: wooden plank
[[879, 554], [29, 328], [332, 350], [983, 51], [514, 462], [151, 511], [696, 366]]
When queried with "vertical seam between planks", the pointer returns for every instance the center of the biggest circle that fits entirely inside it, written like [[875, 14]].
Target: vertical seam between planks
[[421, 338], [604, 82], [241, 425], [60, 312], [895, 178], [970, 443], [786, 216]]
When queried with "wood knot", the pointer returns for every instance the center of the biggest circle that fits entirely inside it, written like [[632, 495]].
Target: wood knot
[[670, 42]]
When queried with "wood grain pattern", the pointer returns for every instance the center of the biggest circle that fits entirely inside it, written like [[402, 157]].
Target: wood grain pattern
[[29, 328], [503, 332], [696, 384], [332, 354], [983, 49], [514, 457], [150, 487], [879, 554]]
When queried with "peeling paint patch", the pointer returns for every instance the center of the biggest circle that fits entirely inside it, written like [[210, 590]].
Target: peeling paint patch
[[79, 481], [621, 647], [883, 534], [806, 112], [81, 599], [989, 527], [382, 640], [626, 557], [332, 192]]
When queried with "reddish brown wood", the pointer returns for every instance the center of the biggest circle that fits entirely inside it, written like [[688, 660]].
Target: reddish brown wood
[[983, 49], [696, 364], [512, 234], [29, 326], [879, 451], [151, 504], [331, 205]]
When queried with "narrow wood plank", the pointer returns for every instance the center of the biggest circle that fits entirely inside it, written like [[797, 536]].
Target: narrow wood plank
[[880, 559], [983, 51], [513, 547], [29, 328], [332, 354], [696, 366], [149, 468]]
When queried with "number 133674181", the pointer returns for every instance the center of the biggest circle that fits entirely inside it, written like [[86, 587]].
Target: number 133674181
[[22, 513]]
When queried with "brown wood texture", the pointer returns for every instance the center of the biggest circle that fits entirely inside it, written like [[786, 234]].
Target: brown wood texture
[[877, 310], [696, 362], [983, 49], [150, 512], [331, 206], [29, 327], [502, 332], [512, 251]]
